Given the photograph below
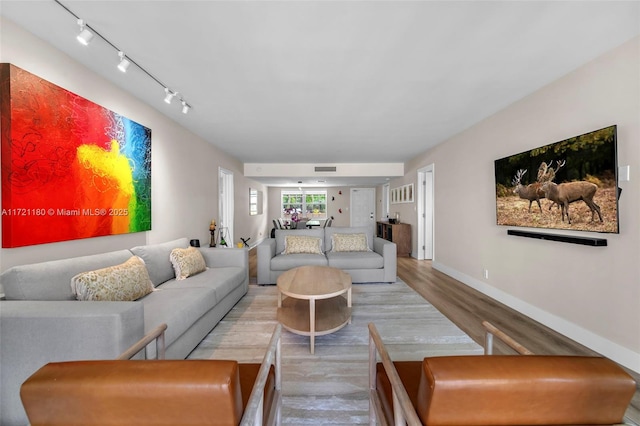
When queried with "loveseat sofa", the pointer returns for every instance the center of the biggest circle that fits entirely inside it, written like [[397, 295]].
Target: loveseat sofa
[[375, 262], [41, 321]]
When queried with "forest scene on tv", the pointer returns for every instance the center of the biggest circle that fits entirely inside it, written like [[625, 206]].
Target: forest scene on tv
[[571, 184]]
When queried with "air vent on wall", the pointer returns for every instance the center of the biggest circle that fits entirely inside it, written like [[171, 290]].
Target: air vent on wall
[[325, 168]]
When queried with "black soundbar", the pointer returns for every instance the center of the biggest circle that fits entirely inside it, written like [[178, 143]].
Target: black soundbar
[[586, 241]]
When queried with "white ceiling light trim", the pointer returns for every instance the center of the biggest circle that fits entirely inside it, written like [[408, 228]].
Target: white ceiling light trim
[[85, 35], [124, 62]]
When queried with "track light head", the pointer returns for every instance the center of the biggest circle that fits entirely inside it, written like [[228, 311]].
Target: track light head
[[85, 35], [185, 107], [124, 62], [169, 97]]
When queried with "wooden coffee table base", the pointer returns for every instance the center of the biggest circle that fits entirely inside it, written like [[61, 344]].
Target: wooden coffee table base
[[315, 305]]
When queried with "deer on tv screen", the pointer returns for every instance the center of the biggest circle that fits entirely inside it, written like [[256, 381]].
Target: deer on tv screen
[[571, 184]]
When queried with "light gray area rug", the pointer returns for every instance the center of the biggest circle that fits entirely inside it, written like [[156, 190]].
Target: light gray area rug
[[331, 386]]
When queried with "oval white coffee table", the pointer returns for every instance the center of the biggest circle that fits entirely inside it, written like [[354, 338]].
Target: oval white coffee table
[[315, 305]]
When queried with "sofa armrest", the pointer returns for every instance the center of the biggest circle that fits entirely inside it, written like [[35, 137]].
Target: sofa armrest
[[33, 333], [266, 251], [221, 257], [388, 250]]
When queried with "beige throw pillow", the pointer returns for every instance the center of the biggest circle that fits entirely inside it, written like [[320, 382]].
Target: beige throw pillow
[[187, 262], [301, 244], [125, 282], [349, 242]]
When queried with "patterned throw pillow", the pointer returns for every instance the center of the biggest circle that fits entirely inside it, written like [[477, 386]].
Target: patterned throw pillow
[[300, 244], [125, 282], [349, 242], [187, 262]]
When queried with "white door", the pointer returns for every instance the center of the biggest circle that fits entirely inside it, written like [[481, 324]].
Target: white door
[[225, 206], [363, 207], [425, 212]]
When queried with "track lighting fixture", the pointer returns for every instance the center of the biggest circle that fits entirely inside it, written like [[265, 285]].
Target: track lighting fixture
[[85, 35], [169, 96], [124, 62]]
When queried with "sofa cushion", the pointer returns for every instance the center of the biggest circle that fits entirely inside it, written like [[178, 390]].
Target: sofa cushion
[[50, 280], [156, 256], [331, 231], [302, 244], [125, 282], [187, 262], [283, 262], [355, 260], [223, 280], [179, 308], [349, 242]]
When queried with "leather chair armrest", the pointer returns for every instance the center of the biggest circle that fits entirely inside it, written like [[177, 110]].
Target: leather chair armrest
[[134, 392], [523, 390]]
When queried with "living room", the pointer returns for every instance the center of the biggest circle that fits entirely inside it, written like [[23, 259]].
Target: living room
[[590, 294]]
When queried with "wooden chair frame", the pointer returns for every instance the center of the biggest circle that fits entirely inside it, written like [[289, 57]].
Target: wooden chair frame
[[156, 334], [255, 406]]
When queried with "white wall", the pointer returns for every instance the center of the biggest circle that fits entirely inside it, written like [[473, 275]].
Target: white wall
[[591, 294], [184, 167]]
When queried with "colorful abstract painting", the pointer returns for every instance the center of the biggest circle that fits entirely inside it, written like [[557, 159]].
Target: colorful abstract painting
[[71, 169]]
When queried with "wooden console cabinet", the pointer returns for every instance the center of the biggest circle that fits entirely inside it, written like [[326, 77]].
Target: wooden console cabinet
[[399, 233]]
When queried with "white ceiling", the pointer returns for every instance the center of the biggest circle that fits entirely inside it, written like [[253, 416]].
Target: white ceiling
[[334, 81]]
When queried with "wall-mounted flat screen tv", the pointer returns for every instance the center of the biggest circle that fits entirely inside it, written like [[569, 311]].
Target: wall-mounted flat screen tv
[[571, 184]]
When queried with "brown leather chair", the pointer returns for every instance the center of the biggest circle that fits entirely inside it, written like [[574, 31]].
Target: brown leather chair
[[156, 392], [496, 390]]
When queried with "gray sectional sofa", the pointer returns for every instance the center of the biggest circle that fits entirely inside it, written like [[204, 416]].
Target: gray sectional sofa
[[377, 265], [41, 322]]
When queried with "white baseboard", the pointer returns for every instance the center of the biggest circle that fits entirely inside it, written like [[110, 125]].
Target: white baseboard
[[603, 346]]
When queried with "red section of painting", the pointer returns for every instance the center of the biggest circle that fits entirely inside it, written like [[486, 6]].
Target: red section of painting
[[43, 183]]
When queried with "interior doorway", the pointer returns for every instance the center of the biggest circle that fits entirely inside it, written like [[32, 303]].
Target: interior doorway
[[425, 217], [225, 206], [363, 207]]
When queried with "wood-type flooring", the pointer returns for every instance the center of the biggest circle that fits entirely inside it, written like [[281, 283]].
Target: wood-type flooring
[[467, 308]]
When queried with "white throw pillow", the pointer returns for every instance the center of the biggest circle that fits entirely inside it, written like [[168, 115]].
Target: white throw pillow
[[349, 242], [302, 244], [187, 262], [125, 282]]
